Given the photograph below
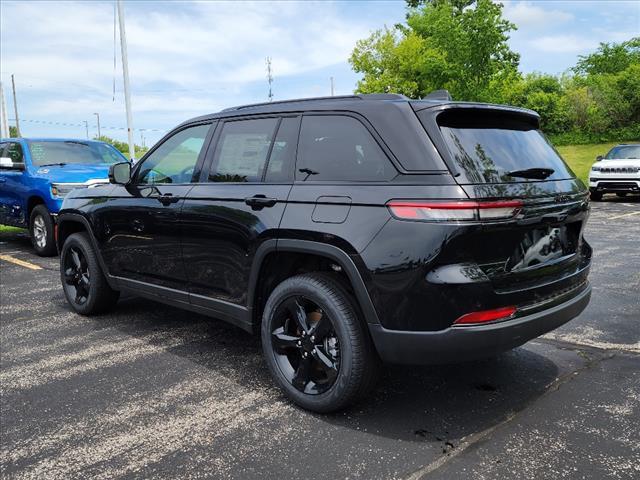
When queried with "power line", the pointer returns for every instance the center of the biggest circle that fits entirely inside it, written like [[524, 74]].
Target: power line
[[102, 127]]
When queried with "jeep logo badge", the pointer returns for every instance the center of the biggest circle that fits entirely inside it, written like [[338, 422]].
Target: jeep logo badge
[[562, 198]]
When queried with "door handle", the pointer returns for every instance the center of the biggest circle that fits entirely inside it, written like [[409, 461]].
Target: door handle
[[258, 202], [167, 199]]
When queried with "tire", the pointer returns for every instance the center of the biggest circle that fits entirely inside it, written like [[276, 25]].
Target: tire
[[595, 196], [41, 231], [346, 343], [85, 286]]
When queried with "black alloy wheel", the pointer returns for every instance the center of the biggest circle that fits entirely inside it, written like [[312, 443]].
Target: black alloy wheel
[[76, 275], [305, 344], [316, 345], [85, 287]]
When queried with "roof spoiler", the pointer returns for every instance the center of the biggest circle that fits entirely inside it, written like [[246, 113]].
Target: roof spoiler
[[439, 95]]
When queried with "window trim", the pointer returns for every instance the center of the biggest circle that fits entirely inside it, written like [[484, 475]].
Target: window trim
[[213, 126], [208, 164], [374, 135]]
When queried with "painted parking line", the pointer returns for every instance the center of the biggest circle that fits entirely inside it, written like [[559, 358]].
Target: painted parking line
[[22, 263], [624, 215]]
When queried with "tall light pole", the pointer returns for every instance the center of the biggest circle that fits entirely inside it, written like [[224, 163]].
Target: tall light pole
[[15, 106], [332, 89], [125, 73], [86, 127], [4, 123], [98, 117]]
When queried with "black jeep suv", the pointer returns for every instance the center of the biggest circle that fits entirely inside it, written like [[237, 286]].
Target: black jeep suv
[[346, 230]]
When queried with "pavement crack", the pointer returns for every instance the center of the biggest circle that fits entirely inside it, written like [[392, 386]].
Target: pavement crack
[[450, 451]]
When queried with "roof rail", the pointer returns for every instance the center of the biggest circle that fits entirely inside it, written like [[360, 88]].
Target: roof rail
[[296, 100], [382, 96], [438, 95], [367, 96]]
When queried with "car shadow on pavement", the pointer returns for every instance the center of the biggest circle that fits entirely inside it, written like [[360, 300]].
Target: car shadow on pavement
[[439, 404]]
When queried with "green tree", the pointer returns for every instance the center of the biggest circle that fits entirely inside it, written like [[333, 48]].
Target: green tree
[[123, 147], [13, 131], [609, 58], [459, 45]]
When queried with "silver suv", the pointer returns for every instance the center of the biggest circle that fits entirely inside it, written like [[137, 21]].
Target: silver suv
[[617, 172]]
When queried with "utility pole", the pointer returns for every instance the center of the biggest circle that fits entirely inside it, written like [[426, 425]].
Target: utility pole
[[15, 106], [98, 117], [4, 123], [269, 78], [86, 127], [125, 73], [332, 89]]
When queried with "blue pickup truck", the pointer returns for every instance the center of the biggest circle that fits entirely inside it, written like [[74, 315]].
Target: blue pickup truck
[[36, 174]]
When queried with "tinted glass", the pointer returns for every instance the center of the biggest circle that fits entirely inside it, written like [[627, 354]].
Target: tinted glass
[[283, 154], [487, 148], [242, 150], [14, 152], [340, 148], [175, 159], [73, 152], [622, 152]]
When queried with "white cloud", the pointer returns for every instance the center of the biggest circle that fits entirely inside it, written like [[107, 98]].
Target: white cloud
[[185, 59], [526, 14], [564, 44]]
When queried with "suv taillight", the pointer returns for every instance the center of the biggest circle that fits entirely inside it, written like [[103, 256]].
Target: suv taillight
[[462, 210]]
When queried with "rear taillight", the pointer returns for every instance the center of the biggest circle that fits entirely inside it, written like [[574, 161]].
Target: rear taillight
[[485, 316], [462, 210]]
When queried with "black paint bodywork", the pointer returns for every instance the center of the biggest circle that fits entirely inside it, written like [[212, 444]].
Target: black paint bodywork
[[202, 245]]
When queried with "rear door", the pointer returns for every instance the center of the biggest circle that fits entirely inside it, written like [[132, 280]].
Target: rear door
[[500, 154], [237, 206]]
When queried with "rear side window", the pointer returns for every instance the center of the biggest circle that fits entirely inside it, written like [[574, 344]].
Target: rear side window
[[340, 148], [242, 150], [488, 146]]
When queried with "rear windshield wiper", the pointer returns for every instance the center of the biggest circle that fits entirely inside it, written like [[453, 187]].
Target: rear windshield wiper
[[537, 173], [61, 164]]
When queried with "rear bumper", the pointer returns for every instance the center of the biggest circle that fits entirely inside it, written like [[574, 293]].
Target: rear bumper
[[456, 344]]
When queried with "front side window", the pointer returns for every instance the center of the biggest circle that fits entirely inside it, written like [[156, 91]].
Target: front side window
[[340, 148], [242, 150], [174, 161], [14, 152], [46, 153]]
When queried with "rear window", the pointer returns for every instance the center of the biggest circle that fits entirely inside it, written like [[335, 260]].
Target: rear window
[[487, 146]]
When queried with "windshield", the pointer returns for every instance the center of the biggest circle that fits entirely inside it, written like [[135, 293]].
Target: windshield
[[53, 153], [498, 149], [623, 151]]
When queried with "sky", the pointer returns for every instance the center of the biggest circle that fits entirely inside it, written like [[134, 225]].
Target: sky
[[188, 59]]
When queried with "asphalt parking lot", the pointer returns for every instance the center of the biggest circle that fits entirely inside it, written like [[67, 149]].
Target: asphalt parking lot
[[152, 391]]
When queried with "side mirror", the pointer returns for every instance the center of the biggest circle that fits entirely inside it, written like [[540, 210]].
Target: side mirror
[[9, 164], [599, 158], [120, 173]]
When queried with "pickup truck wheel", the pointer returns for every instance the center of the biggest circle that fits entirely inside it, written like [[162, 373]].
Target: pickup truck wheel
[[595, 196], [83, 281], [41, 231], [316, 347]]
